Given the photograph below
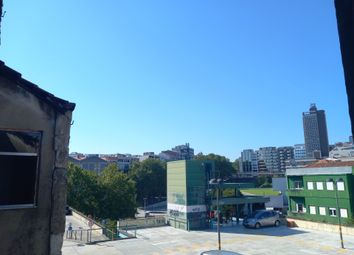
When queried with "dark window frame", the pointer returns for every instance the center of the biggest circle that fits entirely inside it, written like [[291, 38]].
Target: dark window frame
[[34, 203]]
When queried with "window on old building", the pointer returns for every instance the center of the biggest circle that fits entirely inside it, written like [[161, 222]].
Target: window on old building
[[312, 209], [332, 212], [329, 185], [319, 185], [19, 159], [322, 210], [310, 185], [340, 186], [344, 213], [298, 184], [300, 208]]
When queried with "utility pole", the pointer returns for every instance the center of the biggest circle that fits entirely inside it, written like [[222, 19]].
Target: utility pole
[[217, 184], [338, 213], [335, 184]]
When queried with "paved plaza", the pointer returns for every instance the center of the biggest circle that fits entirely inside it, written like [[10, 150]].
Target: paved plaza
[[167, 240]]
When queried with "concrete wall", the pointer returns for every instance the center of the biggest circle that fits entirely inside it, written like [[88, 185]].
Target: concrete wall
[[37, 230], [281, 185], [96, 228], [321, 226], [142, 223]]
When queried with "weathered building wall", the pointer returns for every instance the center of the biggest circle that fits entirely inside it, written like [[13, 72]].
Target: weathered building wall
[[345, 19], [36, 230]]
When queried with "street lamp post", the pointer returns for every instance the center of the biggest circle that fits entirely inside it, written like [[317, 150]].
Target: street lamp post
[[217, 183], [338, 210]]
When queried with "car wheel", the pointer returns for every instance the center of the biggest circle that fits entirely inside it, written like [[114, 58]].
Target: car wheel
[[257, 225], [277, 223]]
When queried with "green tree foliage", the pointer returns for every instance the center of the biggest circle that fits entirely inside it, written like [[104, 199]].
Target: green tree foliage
[[150, 178], [118, 194], [264, 181], [236, 166], [83, 190], [110, 195], [223, 166]]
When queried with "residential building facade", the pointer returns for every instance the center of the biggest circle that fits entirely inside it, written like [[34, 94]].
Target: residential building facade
[[185, 151], [285, 154], [248, 161], [315, 132], [314, 191], [169, 155], [91, 162], [268, 160], [148, 155], [341, 152], [299, 151]]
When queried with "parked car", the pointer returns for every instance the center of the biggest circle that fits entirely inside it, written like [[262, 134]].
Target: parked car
[[262, 218], [219, 252]]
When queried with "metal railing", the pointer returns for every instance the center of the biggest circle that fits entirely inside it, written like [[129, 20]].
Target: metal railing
[[84, 235]]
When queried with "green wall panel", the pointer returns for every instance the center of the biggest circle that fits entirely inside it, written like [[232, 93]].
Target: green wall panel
[[321, 198]]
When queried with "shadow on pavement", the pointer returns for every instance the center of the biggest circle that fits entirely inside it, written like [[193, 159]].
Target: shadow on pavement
[[267, 231]]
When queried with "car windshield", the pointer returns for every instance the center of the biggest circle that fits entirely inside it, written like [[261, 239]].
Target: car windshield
[[255, 214]]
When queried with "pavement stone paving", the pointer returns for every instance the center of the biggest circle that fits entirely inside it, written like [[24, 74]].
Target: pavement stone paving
[[170, 241]]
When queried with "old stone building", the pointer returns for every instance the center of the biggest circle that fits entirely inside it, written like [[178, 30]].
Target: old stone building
[[34, 139]]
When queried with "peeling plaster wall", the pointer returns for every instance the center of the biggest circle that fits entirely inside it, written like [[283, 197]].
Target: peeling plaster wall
[[40, 230]]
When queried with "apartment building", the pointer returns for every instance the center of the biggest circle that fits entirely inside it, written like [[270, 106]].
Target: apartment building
[[322, 191]]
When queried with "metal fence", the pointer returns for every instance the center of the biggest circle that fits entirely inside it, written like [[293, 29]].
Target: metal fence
[[85, 235], [93, 235]]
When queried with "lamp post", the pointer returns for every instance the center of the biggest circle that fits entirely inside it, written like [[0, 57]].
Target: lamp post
[[217, 184], [338, 210]]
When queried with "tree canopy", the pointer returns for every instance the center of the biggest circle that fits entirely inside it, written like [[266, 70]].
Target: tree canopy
[[150, 178], [118, 194], [83, 190], [223, 166], [110, 195]]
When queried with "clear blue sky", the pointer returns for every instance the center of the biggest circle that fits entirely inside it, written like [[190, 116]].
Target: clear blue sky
[[148, 75]]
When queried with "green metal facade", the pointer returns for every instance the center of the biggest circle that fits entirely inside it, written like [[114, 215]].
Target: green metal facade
[[186, 193], [313, 201]]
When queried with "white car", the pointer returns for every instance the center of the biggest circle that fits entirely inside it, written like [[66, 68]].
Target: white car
[[219, 252]]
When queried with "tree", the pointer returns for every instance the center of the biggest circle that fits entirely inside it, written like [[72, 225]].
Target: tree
[[118, 194], [223, 166], [110, 195], [264, 181], [150, 178], [83, 190], [236, 166]]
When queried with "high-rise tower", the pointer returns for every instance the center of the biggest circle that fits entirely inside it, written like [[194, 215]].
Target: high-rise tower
[[315, 132]]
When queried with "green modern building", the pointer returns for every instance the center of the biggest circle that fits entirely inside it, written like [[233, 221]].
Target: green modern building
[[322, 192], [189, 199]]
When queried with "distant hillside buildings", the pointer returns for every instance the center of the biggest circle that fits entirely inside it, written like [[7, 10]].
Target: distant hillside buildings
[[97, 162], [344, 151], [266, 160], [272, 160]]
